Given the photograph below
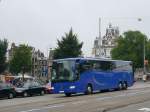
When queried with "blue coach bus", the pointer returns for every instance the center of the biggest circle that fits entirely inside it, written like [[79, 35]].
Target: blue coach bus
[[87, 75]]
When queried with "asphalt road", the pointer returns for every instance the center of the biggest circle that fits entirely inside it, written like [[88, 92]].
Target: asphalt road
[[140, 107], [98, 102]]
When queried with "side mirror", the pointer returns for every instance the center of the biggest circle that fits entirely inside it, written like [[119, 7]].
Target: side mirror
[[77, 66], [77, 74], [77, 71]]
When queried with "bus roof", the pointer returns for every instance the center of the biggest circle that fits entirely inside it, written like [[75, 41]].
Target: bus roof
[[96, 59]]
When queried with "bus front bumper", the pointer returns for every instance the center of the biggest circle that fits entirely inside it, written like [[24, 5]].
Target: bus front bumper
[[57, 90]]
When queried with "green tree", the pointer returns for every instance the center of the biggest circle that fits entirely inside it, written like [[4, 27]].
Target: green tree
[[148, 50], [21, 60], [3, 50], [68, 47], [130, 47]]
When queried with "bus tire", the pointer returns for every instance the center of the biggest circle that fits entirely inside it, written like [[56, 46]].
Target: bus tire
[[120, 86], [68, 94], [125, 86], [89, 89]]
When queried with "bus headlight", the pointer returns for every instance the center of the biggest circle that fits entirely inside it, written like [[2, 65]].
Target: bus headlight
[[72, 87], [52, 88]]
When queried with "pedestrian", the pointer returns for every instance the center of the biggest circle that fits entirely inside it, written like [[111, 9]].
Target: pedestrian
[[144, 77]]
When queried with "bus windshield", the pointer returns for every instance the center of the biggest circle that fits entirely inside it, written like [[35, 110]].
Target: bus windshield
[[63, 71]]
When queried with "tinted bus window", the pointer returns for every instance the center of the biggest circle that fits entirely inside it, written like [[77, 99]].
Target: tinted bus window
[[86, 66], [122, 66], [106, 65], [96, 65], [63, 71]]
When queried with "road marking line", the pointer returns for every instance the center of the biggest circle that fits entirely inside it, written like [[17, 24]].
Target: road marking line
[[104, 98], [30, 110], [122, 95], [54, 106], [78, 102], [49, 107], [145, 109]]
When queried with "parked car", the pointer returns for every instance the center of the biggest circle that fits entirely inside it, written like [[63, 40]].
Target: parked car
[[7, 91], [18, 79], [29, 89]]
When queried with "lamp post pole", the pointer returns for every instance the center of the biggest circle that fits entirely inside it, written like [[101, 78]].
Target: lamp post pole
[[139, 19], [144, 55]]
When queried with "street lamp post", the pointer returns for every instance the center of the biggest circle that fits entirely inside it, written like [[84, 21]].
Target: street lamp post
[[144, 70], [50, 58], [144, 55]]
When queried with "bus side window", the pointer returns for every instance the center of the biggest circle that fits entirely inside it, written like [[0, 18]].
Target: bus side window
[[85, 67], [97, 66], [106, 65], [112, 66]]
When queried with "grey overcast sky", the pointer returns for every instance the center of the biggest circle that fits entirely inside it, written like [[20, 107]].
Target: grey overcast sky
[[40, 23]]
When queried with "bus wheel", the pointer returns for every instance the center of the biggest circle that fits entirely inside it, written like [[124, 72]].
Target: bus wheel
[[125, 86], [120, 86], [89, 90], [68, 94]]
